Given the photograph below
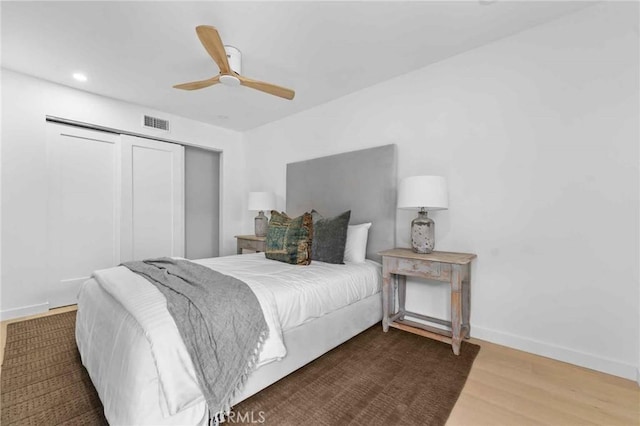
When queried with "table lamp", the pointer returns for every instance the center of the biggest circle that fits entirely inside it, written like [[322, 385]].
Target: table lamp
[[423, 193], [261, 201]]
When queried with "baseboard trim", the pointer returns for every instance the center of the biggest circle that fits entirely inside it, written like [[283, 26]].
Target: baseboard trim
[[24, 311], [560, 353]]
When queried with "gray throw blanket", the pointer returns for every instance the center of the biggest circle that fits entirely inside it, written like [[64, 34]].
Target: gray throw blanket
[[219, 319]]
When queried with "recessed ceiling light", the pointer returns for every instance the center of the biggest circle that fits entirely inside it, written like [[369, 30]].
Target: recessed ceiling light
[[79, 76]]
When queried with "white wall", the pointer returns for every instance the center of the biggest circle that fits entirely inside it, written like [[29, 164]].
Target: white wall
[[537, 135], [25, 103]]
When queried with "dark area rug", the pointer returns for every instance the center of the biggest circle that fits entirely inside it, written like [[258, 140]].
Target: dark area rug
[[376, 378]]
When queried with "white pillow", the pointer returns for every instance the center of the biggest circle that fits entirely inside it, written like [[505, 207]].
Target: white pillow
[[355, 249]]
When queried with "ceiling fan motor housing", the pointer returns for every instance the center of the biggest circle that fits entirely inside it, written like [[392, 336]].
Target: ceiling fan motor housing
[[234, 57]]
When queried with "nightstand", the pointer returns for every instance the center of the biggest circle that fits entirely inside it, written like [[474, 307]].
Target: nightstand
[[250, 242], [453, 268]]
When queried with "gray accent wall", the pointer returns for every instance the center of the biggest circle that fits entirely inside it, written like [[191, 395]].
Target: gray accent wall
[[202, 203]]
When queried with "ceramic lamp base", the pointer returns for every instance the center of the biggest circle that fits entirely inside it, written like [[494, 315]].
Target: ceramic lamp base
[[261, 223], [422, 233]]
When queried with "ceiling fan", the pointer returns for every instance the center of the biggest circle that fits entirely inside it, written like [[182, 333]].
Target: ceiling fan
[[229, 75]]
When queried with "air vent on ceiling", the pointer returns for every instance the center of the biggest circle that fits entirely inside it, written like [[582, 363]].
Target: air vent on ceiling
[[155, 123]]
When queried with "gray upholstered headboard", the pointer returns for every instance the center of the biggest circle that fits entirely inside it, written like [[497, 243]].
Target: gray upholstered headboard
[[361, 181]]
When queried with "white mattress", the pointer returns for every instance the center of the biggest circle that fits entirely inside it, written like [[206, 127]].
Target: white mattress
[[117, 353]]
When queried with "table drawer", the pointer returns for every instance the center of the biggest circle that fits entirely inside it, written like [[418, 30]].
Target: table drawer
[[420, 268], [251, 245]]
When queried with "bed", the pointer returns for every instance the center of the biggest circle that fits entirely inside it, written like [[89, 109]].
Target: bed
[[317, 307]]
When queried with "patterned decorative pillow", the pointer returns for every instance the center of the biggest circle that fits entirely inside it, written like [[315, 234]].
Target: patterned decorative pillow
[[329, 237], [289, 240]]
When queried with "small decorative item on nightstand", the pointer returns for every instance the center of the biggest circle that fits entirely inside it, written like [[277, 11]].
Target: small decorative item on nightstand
[[423, 193], [261, 201]]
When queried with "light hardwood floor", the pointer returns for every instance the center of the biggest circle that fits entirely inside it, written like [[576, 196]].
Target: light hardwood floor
[[510, 387]]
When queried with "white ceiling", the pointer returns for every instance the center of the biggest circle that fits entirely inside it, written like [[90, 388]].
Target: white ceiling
[[135, 51]]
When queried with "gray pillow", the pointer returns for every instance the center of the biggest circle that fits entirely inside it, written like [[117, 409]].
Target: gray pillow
[[329, 237]]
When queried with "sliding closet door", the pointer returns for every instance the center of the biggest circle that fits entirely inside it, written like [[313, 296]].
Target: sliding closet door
[[202, 202], [152, 222], [83, 208]]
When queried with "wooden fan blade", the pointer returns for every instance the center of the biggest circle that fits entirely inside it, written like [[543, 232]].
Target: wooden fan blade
[[211, 41], [269, 88], [198, 84]]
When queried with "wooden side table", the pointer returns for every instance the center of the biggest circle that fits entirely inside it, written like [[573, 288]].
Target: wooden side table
[[453, 268], [250, 242]]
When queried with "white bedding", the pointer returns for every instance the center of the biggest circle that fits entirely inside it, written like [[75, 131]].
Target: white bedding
[[289, 295], [303, 293]]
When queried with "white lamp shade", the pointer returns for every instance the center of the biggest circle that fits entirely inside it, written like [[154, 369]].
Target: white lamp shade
[[428, 192], [261, 201]]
